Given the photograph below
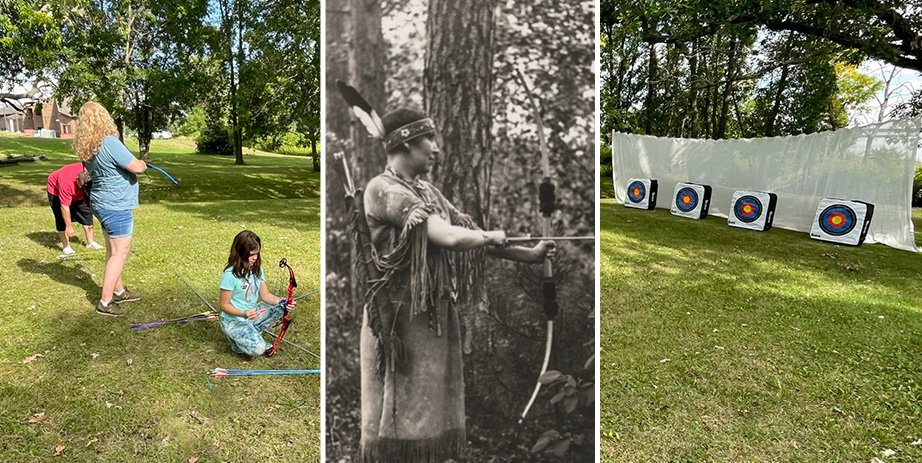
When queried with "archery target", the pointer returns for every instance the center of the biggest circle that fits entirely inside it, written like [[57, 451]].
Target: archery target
[[641, 193], [691, 200], [753, 210], [842, 222]]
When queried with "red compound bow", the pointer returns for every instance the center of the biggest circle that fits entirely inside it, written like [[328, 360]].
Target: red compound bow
[[286, 319]]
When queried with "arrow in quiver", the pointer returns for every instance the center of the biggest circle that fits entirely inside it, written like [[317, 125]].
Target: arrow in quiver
[[641, 193], [691, 200], [753, 210], [842, 222], [390, 350]]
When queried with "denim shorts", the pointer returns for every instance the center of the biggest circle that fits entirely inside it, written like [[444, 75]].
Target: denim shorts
[[117, 224]]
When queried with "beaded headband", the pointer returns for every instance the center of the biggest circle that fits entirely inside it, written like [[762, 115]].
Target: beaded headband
[[408, 132]]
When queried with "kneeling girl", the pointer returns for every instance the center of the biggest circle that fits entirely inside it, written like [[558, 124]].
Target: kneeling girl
[[247, 306]]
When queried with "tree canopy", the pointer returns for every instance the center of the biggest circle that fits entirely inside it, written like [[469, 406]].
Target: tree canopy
[[729, 69]]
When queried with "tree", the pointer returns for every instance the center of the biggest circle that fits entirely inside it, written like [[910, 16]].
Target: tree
[[30, 41], [728, 69], [136, 58], [458, 88], [271, 70], [282, 74]]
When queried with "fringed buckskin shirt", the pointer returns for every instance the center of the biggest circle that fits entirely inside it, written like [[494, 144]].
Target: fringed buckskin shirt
[[413, 406]]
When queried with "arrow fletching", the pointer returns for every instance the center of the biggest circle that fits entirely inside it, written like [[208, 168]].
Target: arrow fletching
[[362, 109]]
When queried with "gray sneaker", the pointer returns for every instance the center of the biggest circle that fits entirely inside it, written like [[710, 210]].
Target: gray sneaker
[[112, 310], [126, 296]]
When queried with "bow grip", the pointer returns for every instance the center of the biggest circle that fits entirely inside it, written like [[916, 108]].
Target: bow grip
[[549, 293]]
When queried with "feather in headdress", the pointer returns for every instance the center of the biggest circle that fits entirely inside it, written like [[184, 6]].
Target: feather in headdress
[[362, 109]]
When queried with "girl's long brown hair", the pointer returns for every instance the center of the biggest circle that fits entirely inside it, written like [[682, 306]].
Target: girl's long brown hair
[[244, 242]]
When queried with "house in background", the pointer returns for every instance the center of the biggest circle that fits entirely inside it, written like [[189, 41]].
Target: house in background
[[46, 119]]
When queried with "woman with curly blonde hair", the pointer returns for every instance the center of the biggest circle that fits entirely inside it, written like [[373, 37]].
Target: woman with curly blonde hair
[[114, 194]]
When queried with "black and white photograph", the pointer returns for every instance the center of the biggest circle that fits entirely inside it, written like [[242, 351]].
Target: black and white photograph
[[459, 158]]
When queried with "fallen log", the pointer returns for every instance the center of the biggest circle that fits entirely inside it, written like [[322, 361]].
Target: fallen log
[[18, 159]]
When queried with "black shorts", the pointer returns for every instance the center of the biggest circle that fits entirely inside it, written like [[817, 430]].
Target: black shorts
[[80, 212]]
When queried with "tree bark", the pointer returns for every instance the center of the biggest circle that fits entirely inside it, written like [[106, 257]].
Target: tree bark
[[693, 91], [721, 131], [776, 103], [458, 82], [649, 110], [367, 76]]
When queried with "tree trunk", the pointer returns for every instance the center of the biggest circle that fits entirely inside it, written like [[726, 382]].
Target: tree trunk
[[232, 21], [721, 131], [367, 76], [458, 83], [693, 91], [649, 109], [315, 156], [238, 129], [120, 126], [776, 104]]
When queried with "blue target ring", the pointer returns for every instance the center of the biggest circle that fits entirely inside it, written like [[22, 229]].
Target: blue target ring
[[748, 209], [636, 191], [686, 199], [837, 220]]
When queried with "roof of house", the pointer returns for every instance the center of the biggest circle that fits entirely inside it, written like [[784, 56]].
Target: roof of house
[[7, 110]]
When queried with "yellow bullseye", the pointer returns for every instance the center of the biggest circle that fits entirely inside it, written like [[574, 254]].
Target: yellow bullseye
[[836, 220]]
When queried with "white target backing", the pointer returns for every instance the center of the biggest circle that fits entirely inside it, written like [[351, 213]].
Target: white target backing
[[691, 200], [641, 193], [753, 210], [842, 222]]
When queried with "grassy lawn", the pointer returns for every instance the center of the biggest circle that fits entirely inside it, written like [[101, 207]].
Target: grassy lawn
[[723, 344], [97, 391]]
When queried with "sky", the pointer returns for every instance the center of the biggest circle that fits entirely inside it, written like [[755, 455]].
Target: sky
[[904, 83]]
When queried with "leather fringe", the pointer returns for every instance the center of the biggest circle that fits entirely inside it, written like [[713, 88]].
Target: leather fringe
[[434, 450]]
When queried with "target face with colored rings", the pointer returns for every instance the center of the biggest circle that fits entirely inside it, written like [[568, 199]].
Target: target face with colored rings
[[748, 209], [636, 192], [686, 199], [837, 220]]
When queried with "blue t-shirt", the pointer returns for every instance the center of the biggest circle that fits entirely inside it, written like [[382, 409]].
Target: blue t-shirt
[[115, 188], [244, 291]]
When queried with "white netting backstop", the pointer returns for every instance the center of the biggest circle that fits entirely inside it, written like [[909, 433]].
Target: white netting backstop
[[874, 163]]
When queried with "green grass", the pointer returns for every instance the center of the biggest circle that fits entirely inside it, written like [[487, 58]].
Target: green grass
[[111, 394], [203, 177], [723, 344]]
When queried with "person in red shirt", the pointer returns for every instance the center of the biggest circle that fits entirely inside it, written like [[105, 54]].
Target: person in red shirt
[[69, 204]]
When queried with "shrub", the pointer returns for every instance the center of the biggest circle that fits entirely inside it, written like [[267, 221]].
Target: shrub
[[192, 125], [605, 160], [215, 139]]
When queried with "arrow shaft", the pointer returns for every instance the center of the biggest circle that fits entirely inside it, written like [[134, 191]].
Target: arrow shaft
[[196, 292], [518, 239]]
